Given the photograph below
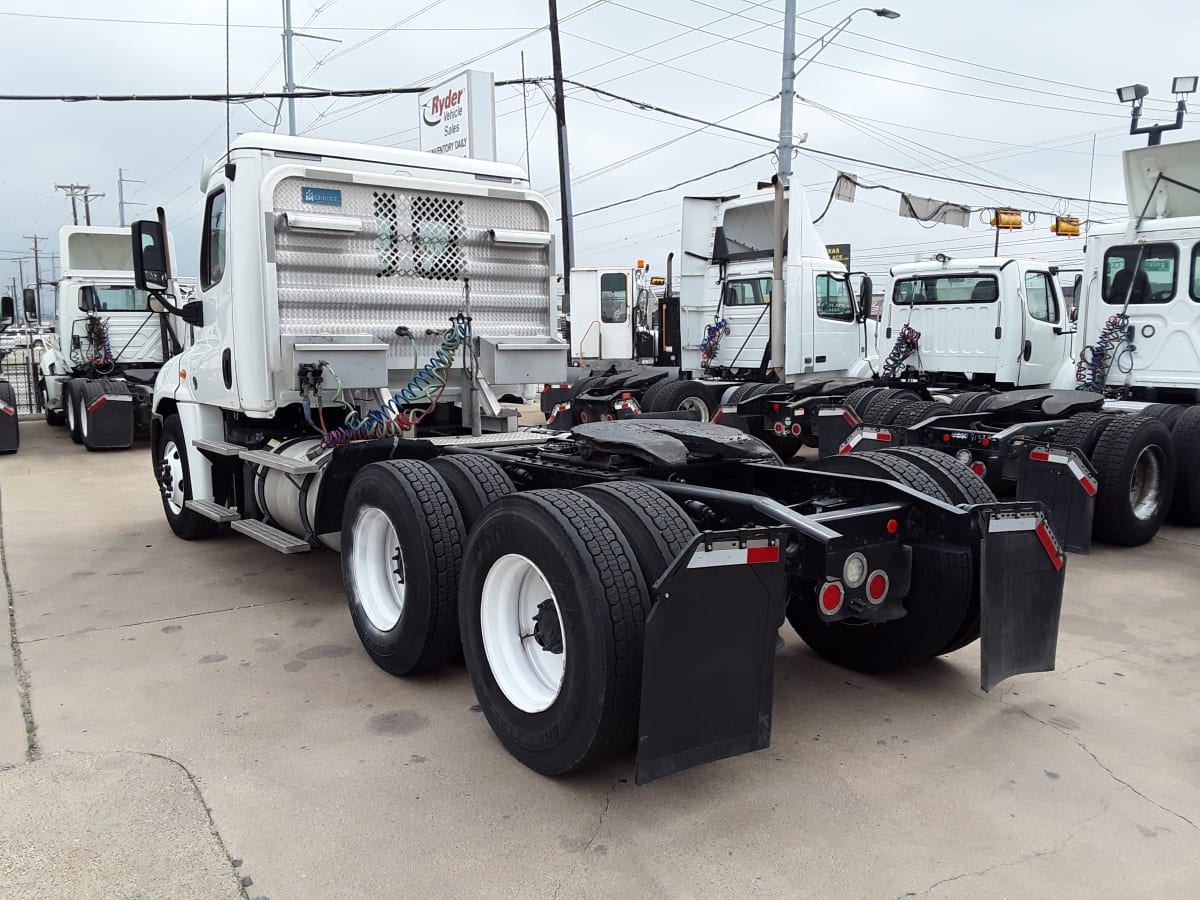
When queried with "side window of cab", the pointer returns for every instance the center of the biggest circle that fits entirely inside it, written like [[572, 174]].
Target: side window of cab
[[212, 246]]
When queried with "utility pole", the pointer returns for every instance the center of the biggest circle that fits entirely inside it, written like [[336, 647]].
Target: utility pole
[[81, 192], [787, 99], [289, 74], [121, 201], [37, 274], [564, 161]]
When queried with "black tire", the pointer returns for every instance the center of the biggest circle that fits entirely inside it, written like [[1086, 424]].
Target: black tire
[[1185, 505], [886, 412], [877, 464], [1133, 447], [680, 394], [968, 402], [585, 384], [858, 401], [475, 481], [649, 397], [741, 392], [653, 523], [915, 411], [599, 603], [956, 479], [764, 388], [1168, 413], [1082, 431], [939, 598], [786, 445], [71, 404], [9, 396], [423, 552], [173, 475], [885, 398], [55, 417]]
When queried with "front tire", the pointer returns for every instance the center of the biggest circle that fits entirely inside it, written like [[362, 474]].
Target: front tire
[[553, 607], [402, 539], [71, 402], [55, 417], [174, 478]]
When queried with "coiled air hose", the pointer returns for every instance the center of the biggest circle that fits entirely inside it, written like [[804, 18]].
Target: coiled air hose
[[907, 343]]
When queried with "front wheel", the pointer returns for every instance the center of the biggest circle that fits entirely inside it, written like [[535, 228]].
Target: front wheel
[[54, 417], [71, 403], [175, 483]]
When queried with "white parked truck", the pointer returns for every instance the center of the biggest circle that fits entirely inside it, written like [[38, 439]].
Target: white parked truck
[[97, 371], [1119, 385], [358, 309]]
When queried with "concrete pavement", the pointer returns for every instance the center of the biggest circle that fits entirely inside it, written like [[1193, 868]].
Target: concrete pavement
[[326, 777]]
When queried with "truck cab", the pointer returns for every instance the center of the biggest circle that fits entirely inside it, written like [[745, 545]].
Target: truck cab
[[612, 314], [990, 321]]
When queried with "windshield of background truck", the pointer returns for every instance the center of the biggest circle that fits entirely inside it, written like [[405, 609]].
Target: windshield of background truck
[[1154, 283], [112, 298], [946, 289], [748, 292]]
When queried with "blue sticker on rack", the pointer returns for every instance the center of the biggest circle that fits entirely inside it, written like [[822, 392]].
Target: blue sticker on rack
[[321, 196]]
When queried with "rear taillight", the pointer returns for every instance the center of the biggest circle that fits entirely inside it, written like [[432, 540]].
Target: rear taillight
[[877, 586], [829, 600]]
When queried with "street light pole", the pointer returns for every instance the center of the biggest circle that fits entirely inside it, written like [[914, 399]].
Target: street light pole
[[787, 99]]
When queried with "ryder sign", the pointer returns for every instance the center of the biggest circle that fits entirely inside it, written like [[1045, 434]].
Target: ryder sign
[[458, 117]]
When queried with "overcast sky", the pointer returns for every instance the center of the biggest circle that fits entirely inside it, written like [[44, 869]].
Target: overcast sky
[[1008, 94]]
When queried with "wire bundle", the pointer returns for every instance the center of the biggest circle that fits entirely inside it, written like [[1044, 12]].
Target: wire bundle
[[907, 343], [712, 340], [394, 418], [100, 356], [1096, 360]]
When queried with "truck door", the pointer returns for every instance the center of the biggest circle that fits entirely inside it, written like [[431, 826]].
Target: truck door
[[746, 309], [212, 370], [1043, 343], [837, 338]]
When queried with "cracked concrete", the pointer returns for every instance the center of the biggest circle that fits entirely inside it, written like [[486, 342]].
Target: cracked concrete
[[325, 777]]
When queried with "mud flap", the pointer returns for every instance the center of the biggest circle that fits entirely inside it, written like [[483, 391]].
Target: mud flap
[[1022, 569], [709, 657], [833, 428], [1066, 482]]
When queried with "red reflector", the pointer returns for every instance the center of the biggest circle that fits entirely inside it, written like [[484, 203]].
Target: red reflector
[[846, 447], [883, 436], [946, 438], [626, 395], [986, 442], [6, 409], [1088, 485], [1043, 534], [877, 586], [849, 417], [831, 597], [779, 428], [892, 526], [775, 407], [978, 468], [1040, 455], [796, 430], [717, 416], [762, 554], [96, 404]]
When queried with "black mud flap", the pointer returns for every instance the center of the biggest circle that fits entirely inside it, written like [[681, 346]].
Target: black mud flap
[[833, 428], [1022, 569], [1066, 482], [709, 658]]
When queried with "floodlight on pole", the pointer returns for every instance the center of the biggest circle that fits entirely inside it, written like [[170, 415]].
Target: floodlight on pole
[[1136, 93], [1183, 84]]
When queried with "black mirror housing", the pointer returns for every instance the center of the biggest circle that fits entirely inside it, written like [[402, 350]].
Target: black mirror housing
[[866, 290], [29, 301], [7, 310], [150, 269]]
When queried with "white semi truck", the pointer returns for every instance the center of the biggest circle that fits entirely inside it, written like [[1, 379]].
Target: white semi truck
[[1118, 383], [97, 371], [358, 310]]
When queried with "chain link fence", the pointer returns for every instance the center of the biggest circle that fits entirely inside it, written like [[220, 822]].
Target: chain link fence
[[19, 367]]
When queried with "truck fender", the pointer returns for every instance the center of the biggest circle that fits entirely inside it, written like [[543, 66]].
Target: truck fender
[[200, 421]]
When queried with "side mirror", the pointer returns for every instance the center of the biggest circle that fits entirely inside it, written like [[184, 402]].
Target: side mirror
[[150, 271], [865, 291], [29, 301], [154, 304], [7, 309]]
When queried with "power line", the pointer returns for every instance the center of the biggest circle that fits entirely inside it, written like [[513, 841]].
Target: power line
[[248, 25], [672, 187]]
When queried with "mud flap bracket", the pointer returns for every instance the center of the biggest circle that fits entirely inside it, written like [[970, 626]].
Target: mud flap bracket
[[709, 657], [1022, 570]]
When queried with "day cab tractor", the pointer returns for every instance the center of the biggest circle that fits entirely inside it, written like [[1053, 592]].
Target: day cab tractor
[[617, 585], [1117, 387]]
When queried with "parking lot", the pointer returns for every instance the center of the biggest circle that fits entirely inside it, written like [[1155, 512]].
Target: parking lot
[[202, 714]]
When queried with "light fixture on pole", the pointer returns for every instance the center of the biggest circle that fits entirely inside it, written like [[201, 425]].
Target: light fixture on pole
[[1137, 93], [787, 100]]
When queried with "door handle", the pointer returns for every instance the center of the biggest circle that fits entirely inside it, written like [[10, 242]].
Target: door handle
[[1028, 350]]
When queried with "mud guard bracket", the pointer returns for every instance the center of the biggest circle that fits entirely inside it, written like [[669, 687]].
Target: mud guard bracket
[[1022, 570], [709, 658]]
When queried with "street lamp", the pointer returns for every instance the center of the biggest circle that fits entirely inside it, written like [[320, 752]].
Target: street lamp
[[1135, 93], [787, 101]]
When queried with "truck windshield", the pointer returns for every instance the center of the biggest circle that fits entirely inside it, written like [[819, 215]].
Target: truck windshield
[[1154, 281], [749, 292], [946, 289], [112, 298]]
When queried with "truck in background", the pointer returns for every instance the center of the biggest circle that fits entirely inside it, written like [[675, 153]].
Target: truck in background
[[565, 568], [96, 373]]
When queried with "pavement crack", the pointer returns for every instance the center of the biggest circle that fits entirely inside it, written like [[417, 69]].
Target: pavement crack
[[192, 615], [32, 749], [1111, 774], [587, 845]]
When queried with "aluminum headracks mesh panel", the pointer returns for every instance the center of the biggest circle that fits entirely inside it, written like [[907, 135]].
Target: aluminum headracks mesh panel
[[406, 263]]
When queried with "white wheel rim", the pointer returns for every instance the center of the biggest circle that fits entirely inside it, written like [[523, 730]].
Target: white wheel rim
[[1145, 484], [70, 413], [690, 403], [529, 674], [377, 568], [83, 417], [171, 477]]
